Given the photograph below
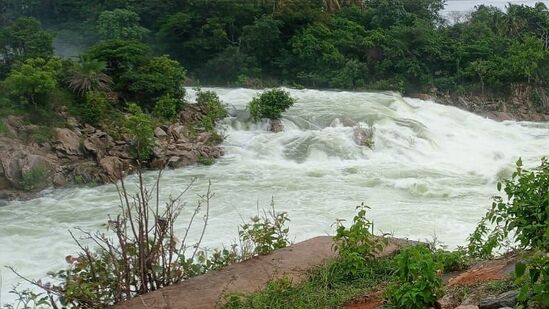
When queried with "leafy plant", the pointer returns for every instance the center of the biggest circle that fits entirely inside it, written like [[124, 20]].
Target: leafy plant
[[524, 214], [265, 233], [270, 104], [452, 260], [532, 276], [417, 284], [34, 178], [357, 244], [88, 75], [166, 107], [27, 299], [141, 128], [214, 109]]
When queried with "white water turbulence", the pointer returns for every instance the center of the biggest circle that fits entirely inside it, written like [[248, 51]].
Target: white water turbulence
[[432, 172]]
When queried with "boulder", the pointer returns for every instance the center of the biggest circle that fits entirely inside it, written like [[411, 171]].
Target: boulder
[[59, 180], [363, 136], [467, 307], [95, 146], [67, 142], [113, 167], [160, 133], [177, 132], [448, 301], [277, 126], [26, 171], [507, 299]]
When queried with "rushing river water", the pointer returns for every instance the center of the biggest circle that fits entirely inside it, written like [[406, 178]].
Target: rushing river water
[[432, 172]]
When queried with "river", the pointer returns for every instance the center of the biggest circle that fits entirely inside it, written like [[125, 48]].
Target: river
[[432, 172]]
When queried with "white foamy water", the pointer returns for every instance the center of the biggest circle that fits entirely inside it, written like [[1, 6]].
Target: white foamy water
[[433, 171]]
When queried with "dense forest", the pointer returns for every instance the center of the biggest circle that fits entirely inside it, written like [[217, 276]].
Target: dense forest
[[399, 45]]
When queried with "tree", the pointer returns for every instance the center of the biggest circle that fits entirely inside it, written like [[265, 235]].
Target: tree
[[262, 40], [88, 75], [120, 55], [24, 39], [270, 104], [120, 24], [158, 77], [33, 80], [527, 57]]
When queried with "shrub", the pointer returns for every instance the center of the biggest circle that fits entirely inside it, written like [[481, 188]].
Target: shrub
[[357, 244], [452, 260], [270, 104], [95, 107], [265, 233], [523, 214], [34, 178], [141, 128], [166, 107], [213, 108], [417, 284], [532, 275]]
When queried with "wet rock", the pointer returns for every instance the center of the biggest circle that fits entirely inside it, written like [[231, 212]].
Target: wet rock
[[113, 167], [160, 133], [507, 299], [363, 136], [59, 180], [277, 125], [203, 137], [16, 165], [67, 142]]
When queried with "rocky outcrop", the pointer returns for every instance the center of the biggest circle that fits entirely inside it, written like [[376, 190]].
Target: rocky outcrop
[[524, 103], [85, 154], [277, 125]]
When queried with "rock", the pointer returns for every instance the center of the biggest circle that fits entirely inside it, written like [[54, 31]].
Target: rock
[[467, 307], [59, 180], [424, 96], [16, 165], [277, 126], [15, 122], [177, 132], [507, 299], [113, 167], [95, 146], [203, 137], [363, 136], [447, 302], [67, 141], [160, 133], [72, 122]]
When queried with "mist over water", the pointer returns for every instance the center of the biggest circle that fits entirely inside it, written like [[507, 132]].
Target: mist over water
[[432, 171]]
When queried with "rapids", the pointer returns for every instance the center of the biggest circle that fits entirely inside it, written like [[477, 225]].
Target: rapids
[[432, 172]]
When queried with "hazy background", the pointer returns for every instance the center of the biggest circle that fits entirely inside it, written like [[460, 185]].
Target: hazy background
[[467, 5]]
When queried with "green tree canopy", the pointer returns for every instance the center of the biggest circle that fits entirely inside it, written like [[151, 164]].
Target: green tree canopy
[[120, 24]]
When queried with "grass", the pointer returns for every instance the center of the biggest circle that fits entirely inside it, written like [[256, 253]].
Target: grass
[[328, 286]]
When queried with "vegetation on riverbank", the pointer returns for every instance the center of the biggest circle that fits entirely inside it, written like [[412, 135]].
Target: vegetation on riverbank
[[127, 265]]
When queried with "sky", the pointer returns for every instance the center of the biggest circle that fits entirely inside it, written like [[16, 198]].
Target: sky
[[467, 5]]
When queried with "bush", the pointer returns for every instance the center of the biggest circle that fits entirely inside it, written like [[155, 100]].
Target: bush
[[523, 214], [265, 233], [213, 108], [532, 275], [357, 244], [417, 284], [34, 178], [452, 260], [270, 104], [166, 107], [140, 126], [95, 107]]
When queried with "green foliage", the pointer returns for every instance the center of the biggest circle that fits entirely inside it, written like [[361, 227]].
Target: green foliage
[[94, 109], [33, 81], [166, 107], [23, 39], [356, 245], [523, 215], [27, 299], [532, 276], [266, 233], [120, 24], [88, 75], [452, 260], [270, 104], [34, 178], [160, 76], [214, 109], [417, 284], [140, 126], [120, 56]]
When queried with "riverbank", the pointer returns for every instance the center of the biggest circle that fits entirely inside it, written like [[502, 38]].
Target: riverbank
[[80, 154]]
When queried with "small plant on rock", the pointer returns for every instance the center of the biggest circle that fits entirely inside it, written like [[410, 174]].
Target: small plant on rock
[[270, 104], [166, 107], [532, 276], [417, 285], [214, 109], [357, 244], [140, 126], [265, 233]]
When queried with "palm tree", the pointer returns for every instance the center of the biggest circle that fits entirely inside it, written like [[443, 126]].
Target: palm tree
[[88, 76]]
